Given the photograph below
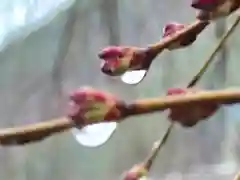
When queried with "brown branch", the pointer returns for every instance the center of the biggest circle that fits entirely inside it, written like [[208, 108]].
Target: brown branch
[[34, 133], [40, 131], [146, 106], [160, 143], [150, 105]]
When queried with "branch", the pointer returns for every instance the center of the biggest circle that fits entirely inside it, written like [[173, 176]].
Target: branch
[[156, 148], [34, 133], [40, 131], [132, 59], [161, 142], [215, 51]]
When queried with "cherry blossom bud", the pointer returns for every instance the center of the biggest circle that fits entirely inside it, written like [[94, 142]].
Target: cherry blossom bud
[[89, 106], [189, 115], [131, 63], [171, 28], [95, 114], [118, 60]]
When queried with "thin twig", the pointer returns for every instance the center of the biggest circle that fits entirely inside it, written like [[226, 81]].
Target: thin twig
[[34, 133], [156, 148], [211, 57], [160, 143]]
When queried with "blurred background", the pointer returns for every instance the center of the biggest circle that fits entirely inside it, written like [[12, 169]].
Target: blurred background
[[49, 48]]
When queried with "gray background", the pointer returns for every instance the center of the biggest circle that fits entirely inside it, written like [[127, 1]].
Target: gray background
[[37, 72]]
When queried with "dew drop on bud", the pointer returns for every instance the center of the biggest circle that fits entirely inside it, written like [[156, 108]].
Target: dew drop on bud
[[133, 77], [94, 135]]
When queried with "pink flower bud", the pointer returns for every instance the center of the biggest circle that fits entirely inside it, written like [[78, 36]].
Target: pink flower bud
[[118, 60], [172, 28], [89, 106], [189, 115]]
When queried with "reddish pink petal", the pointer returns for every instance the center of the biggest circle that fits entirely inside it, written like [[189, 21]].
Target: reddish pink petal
[[78, 96], [176, 91], [73, 109], [110, 52], [172, 28], [131, 176], [100, 97]]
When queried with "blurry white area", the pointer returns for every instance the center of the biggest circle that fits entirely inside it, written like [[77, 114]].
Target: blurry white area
[[18, 18], [207, 172], [227, 168]]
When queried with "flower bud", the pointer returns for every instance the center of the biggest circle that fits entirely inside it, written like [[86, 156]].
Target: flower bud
[[89, 106], [172, 28], [190, 114], [118, 60]]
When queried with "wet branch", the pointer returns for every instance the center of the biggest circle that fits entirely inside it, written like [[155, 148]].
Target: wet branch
[[161, 142], [39, 131]]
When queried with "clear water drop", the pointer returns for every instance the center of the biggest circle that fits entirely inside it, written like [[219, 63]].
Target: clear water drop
[[133, 77], [94, 135]]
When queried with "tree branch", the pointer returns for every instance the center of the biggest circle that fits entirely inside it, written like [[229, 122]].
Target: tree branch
[[161, 142], [40, 131]]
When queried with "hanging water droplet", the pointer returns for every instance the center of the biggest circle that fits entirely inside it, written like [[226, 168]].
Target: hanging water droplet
[[133, 77], [94, 135]]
